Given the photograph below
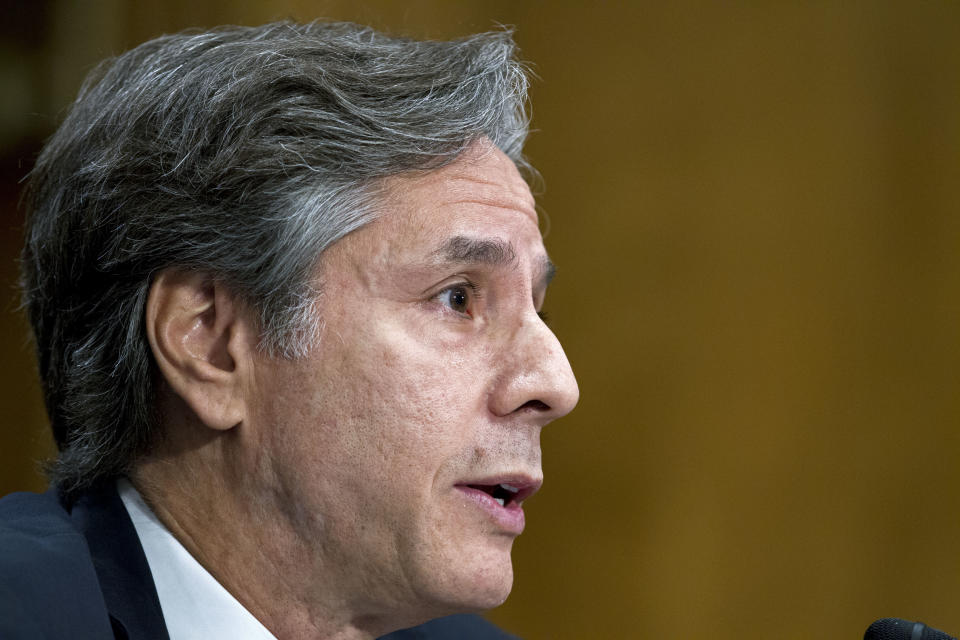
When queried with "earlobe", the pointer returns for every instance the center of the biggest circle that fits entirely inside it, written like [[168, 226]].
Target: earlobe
[[200, 337]]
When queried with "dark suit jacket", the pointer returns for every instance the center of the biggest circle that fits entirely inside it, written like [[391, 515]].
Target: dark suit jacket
[[78, 571]]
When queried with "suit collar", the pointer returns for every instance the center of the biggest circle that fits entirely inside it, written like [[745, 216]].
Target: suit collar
[[121, 566]]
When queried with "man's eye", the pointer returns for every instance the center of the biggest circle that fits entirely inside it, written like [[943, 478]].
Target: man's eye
[[458, 298]]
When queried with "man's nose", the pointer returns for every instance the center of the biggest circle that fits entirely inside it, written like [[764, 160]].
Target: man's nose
[[534, 375]]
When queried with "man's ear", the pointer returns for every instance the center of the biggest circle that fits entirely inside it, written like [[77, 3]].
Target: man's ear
[[201, 339]]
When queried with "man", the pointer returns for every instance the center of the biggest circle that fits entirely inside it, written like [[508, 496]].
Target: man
[[285, 284]]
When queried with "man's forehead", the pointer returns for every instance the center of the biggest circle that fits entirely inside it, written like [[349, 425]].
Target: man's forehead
[[477, 210], [481, 175], [501, 188]]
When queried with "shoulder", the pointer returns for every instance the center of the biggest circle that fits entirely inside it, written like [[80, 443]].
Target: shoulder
[[34, 530], [25, 513], [44, 562], [459, 627]]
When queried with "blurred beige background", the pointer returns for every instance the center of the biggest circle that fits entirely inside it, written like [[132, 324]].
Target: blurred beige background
[[756, 212]]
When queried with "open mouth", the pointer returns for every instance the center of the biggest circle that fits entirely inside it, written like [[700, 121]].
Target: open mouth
[[503, 493], [501, 497]]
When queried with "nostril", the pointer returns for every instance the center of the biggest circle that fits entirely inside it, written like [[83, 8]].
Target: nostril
[[535, 405]]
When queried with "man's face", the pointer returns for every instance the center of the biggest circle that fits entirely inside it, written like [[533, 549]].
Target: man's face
[[427, 389]]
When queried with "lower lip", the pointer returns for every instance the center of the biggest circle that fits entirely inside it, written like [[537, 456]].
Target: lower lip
[[508, 517]]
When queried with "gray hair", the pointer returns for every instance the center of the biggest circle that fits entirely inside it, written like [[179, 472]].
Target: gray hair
[[241, 152]]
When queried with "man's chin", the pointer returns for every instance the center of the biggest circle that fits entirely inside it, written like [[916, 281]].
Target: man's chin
[[439, 603], [484, 589], [476, 590]]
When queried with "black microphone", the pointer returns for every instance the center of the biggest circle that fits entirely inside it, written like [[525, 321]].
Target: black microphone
[[897, 629]]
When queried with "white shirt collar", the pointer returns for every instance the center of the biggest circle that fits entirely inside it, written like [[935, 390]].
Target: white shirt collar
[[194, 604]]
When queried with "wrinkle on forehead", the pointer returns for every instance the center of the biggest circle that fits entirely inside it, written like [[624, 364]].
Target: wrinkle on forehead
[[482, 175]]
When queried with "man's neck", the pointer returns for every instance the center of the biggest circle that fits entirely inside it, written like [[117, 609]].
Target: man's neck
[[251, 549]]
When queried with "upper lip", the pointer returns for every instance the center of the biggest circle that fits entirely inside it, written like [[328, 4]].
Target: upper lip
[[525, 485]]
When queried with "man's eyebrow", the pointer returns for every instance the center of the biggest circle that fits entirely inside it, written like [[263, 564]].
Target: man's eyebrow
[[493, 252], [476, 250], [547, 271]]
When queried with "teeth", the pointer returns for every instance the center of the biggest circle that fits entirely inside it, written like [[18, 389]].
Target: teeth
[[500, 501], [509, 488]]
